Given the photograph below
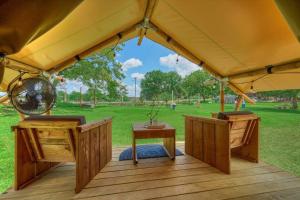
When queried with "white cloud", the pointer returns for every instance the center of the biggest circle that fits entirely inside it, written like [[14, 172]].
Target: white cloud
[[131, 89], [131, 63], [183, 67], [138, 76]]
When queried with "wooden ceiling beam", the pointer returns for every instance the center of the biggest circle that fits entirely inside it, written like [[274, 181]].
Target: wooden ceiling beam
[[151, 4], [3, 99], [103, 44], [190, 56], [237, 90], [21, 66], [267, 70]]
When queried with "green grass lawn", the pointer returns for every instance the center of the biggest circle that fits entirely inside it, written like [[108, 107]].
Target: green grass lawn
[[280, 130]]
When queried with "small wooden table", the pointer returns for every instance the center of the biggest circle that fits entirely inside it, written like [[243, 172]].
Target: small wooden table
[[167, 133]]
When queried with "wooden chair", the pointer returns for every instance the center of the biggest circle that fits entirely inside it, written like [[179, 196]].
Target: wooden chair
[[213, 140], [43, 142]]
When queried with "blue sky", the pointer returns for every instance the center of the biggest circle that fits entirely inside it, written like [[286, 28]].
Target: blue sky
[[138, 60]]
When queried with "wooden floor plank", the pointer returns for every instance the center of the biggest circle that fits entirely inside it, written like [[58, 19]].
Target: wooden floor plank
[[192, 187], [154, 163], [161, 169], [287, 194], [161, 178], [93, 190], [244, 190]]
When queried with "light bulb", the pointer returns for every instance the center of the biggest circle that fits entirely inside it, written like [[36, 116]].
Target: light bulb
[[252, 89]]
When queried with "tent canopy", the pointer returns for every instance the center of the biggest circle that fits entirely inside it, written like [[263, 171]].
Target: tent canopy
[[250, 43]]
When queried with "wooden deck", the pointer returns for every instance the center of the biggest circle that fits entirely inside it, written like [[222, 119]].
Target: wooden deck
[[161, 178]]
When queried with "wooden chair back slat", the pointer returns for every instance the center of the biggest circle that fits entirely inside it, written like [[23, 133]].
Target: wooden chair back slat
[[28, 145], [52, 141], [241, 128]]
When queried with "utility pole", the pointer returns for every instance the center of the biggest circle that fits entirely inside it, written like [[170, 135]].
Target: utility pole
[[65, 94], [81, 96], [94, 94], [135, 90]]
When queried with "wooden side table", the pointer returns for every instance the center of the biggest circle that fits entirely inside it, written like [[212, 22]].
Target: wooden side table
[[167, 133]]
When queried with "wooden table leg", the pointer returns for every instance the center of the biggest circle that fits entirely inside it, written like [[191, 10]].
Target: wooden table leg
[[169, 144], [134, 157]]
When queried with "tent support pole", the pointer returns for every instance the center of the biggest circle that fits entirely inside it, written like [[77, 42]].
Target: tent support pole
[[267, 70], [238, 103], [222, 97], [151, 4], [18, 65]]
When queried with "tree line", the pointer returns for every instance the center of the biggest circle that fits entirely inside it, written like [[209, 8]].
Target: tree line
[[103, 75], [161, 85]]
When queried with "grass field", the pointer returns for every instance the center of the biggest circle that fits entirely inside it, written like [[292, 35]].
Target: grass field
[[280, 130]]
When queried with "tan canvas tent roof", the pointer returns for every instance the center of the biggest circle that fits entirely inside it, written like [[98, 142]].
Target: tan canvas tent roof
[[247, 43]]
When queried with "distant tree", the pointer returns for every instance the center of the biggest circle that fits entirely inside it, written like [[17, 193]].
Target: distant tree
[[100, 72], [286, 95], [152, 86], [165, 96], [159, 85], [173, 82], [60, 96], [195, 85], [74, 96]]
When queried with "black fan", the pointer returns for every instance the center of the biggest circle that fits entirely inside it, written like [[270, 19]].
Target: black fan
[[33, 96]]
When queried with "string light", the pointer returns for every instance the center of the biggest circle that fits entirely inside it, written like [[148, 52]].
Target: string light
[[252, 88], [177, 59], [20, 81]]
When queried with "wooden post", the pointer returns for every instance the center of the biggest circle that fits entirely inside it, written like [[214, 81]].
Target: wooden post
[[135, 90], [239, 102], [94, 96], [65, 95], [222, 97]]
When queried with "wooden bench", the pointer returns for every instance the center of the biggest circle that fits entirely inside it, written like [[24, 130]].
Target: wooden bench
[[42, 143], [213, 140]]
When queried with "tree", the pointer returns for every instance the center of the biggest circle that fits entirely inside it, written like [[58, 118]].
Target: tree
[[100, 72], [159, 85], [74, 96], [194, 85], [173, 82], [152, 86]]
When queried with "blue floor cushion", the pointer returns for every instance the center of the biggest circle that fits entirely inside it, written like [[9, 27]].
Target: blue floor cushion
[[146, 151]]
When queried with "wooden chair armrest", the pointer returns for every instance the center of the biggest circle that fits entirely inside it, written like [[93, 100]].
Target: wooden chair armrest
[[207, 119], [89, 126]]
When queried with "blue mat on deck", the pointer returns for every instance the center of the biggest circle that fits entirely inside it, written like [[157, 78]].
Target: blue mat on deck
[[146, 151]]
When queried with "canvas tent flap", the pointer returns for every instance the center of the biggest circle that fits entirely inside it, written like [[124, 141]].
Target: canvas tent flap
[[23, 21], [88, 26], [225, 37], [290, 10]]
